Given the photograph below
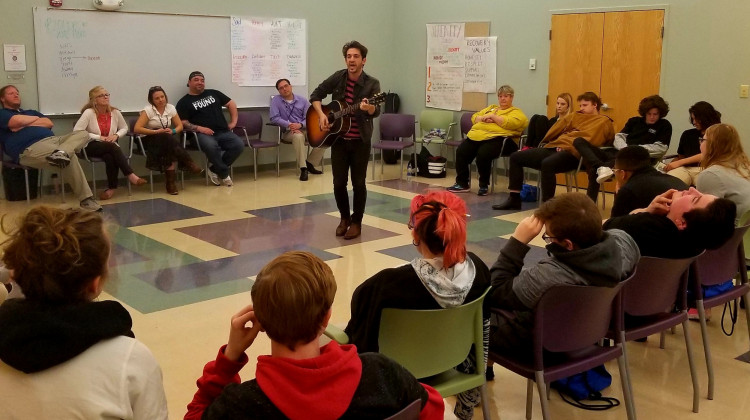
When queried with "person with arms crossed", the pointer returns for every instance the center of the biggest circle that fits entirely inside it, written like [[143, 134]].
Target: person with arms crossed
[[288, 111], [491, 136], [351, 152], [28, 139], [292, 298], [201, 111]]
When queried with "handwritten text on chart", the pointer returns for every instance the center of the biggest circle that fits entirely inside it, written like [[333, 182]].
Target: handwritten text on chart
[[65, 29]]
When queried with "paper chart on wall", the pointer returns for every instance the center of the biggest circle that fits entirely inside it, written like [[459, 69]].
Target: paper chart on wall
[[480, 64], [267, 49], [444, 87], [445, 44]]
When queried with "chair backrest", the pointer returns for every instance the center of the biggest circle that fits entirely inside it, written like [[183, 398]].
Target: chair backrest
[[572, 317], [434, 118], [428, 342], [395, 126], [411, 412], [657, 284], [716, 266], [252, 122], [466, 123]]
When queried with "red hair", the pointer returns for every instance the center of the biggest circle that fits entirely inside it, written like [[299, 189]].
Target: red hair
[[439, 221]]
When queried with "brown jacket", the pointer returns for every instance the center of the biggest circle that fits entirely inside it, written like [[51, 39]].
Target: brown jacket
[[597, 129]]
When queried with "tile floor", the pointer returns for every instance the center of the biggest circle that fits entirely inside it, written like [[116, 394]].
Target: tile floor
[[184, 264]]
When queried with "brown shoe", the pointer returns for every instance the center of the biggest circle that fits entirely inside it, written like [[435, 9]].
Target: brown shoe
[[343, 226], [171, 178], [354, 231], [192, 167], [106, 194]]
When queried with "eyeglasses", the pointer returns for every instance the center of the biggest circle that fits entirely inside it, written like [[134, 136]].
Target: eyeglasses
[[103, 95], [548, 239], [701, 140]]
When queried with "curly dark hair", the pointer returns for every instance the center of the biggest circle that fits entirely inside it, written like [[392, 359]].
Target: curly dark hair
[[355, 44], [704, 114], [654, 101]]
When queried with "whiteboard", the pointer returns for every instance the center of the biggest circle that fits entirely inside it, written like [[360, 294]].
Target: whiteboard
[[129, 52]]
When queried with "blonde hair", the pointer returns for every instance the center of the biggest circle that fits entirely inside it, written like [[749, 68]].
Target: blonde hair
[[292, 296], [92, 98], [724, 148], [506, 89], [568, 98]]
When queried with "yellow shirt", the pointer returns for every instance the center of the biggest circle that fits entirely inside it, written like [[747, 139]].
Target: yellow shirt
[[513, 125]]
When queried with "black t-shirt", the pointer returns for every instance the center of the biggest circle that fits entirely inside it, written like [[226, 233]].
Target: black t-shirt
[[656, 236], [641, 188], [690, 144], [641, 133], [205, 109]]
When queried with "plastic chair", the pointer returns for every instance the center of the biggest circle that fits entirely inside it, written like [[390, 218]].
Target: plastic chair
[[655, 300], [411, 412], [136, 147], [250, 124], [568, 321], [716, 267], [399, 127], [194, 144], [6, 162], [430, 343], [433, 118]]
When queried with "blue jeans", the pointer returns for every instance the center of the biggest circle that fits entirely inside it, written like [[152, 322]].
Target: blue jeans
[[213, 146]]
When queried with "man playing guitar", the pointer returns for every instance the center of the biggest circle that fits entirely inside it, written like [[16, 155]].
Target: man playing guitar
[[352, 149]]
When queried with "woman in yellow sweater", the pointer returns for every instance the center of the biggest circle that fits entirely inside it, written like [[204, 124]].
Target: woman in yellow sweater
[[490, 137]]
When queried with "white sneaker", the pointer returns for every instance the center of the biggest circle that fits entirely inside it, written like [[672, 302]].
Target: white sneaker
[[603, 174], [213, 177], [90, 204], [227, 181]]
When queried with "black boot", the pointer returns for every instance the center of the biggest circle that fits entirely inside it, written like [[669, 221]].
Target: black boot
[[303, 174], [311, 168], [513, 202]]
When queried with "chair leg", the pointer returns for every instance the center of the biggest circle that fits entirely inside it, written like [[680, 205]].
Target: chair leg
[[28, 194], [706, 347], [529, 396], [626, 389], [401, 167], [662, 339], [277, 162], [542, 387], [255, 164], [62, 185], [151, 180], [372, 153], [746, 299], [493, 175], [625, 359], [691, 362], [93, 177], [485, 402]]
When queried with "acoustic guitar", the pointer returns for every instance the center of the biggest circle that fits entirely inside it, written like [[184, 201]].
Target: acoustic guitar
[[339, 120]]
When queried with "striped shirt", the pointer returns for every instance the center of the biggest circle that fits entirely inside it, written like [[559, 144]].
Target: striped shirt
[[349, 97]]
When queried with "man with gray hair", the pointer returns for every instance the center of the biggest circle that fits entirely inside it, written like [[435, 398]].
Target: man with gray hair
[[491, 135]]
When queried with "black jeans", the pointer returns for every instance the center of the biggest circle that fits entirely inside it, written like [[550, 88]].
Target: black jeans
[[349, 154], [538, 127], [485, 152], [114, 160], [594, 158], [548, 161]]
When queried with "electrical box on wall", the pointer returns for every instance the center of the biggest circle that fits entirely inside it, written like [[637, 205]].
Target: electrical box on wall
[[532, 64]]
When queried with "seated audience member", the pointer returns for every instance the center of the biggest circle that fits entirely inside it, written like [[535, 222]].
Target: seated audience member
[[201, 111], [649, 131], [558, 154], [491, 135], [288, 111], [63, 354], [638, 182], [445, 275], [686, 165], [539, 124], [292, 297], [161, 126], [106, 126], [580, 253], [726, 168], [28, 139], [679, 224]]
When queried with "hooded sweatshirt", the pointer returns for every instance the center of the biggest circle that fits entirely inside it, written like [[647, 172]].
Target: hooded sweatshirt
[[337, 384], [75, 361], [596, 129], [423, 284]]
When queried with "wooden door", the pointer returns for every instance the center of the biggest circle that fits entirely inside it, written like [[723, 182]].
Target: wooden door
[[575, 59], [631, 62]]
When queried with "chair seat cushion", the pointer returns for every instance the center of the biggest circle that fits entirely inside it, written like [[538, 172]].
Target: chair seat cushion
[[255, 144], [392, 145]]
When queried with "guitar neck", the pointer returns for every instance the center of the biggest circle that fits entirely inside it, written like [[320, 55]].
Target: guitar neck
[[346, 111]]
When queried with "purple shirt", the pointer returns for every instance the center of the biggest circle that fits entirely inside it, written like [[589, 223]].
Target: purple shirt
[[283, 113]]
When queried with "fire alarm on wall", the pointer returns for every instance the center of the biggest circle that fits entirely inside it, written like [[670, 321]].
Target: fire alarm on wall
[[55, 3]]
